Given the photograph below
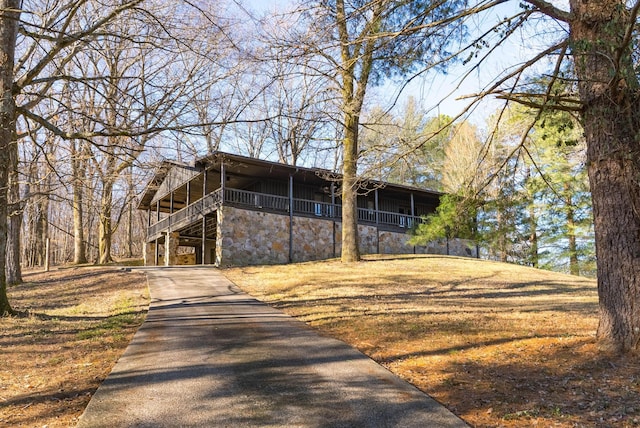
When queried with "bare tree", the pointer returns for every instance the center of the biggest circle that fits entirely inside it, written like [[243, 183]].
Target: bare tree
[[16, 211], [357, 45], [297, 104], [388, 140], [140, 93], [51, 37], [9, 16], [79, 158]]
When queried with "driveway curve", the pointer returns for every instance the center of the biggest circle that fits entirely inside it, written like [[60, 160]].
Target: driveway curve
[[209, 355]]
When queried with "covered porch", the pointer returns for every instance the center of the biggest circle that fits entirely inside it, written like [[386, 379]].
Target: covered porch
[[182, 202]]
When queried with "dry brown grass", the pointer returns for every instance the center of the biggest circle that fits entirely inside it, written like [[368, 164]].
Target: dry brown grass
[[498, 344], [52, 361]]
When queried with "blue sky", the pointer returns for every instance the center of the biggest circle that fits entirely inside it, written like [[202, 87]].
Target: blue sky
[[437, 92]]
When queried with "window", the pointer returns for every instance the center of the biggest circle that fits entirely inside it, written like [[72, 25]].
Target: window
[[317, 207]]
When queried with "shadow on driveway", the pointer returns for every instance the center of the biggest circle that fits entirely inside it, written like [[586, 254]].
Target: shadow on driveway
[[210, 355]]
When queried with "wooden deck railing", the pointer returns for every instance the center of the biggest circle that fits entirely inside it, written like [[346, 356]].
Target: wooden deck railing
[[187, 215], [262, 201]]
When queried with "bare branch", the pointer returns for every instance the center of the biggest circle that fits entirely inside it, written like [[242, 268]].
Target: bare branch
[[550, 10], [529, 100]]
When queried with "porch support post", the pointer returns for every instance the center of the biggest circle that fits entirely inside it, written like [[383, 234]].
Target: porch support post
[[204, 183], [170, 215], [188, 201], [158, 210], [223, 178], [377, 207], [204, 218], [334, 212], [413, 208], [156, 256], [290, 218], [148, 251], [413, 215], [149, 217], [172, 241], [204, 238], [333, 199]]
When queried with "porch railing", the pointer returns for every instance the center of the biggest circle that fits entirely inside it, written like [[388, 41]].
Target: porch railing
[[255, 200], [187, 214]]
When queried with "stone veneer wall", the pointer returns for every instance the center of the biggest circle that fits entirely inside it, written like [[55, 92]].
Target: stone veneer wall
[[172, 243], [367, 239], [149, 253], [251, 237], [254, 237], [397, 243], [313, 239]]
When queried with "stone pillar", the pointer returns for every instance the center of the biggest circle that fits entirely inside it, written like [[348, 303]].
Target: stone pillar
[[149, 253], [171, 244], [221, 228]]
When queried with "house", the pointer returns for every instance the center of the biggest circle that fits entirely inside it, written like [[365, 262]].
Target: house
[[231, 210]]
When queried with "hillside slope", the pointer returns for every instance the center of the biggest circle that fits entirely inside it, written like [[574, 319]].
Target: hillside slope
[[499, 344]]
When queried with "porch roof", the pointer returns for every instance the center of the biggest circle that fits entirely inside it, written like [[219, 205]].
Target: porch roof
[[156, 181], [245, 168]]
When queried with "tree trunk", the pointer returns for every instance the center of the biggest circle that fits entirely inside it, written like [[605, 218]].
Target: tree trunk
[[574, 266], [502, 239], [43, 225], [533, 235], [350, 250], [38, 217], [130, 199], [91, 236], [608, 90], [14, 271], [79, 251], [8, 32], [354, 88], [78, 171], [129, 253], [105, 231]]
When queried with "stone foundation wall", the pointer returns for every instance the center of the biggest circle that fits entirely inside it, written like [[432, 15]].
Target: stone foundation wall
[[186, 259], [397, 243], [254, 237], [313, 239], [367, 239], [172, 243], [149, 253], [251, 237]]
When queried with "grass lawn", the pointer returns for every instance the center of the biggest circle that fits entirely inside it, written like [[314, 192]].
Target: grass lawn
[[53, 360], [498, 344]]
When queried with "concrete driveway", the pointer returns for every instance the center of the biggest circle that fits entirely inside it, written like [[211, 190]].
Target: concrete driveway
[[209, 355]]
